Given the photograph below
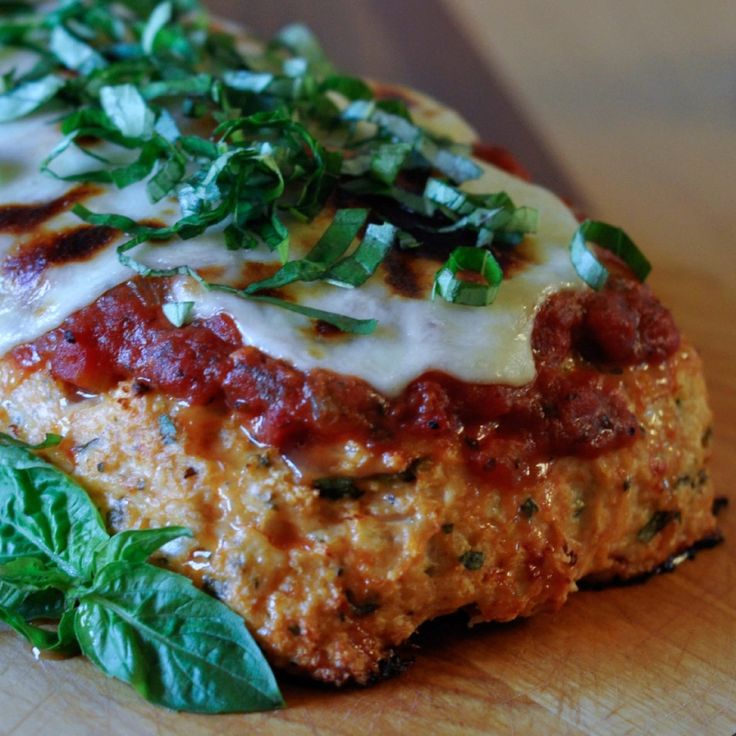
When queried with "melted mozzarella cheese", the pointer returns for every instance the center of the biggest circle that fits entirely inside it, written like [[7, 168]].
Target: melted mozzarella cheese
[[486, 345]]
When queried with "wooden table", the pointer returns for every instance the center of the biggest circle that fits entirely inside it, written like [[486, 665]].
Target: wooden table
[[638, 102]]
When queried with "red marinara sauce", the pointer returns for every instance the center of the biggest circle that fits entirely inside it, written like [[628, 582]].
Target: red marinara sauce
[[573, 407]]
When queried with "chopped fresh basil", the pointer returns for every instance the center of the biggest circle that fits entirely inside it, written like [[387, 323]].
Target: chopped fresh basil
[[146, 626], [160, 16], [529, 508], [472, 559], [167, 429], [337, 488], [452, 288], [658, 521], [178, 313], [323, 256], [127, 110], [73, 53], [289, 134], [589, 268], [27, 97], [357, 268]]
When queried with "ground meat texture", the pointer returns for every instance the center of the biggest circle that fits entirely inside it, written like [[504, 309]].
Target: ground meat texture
[[355, 573]]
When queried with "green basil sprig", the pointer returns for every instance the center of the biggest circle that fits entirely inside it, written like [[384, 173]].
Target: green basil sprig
[[147, 626]]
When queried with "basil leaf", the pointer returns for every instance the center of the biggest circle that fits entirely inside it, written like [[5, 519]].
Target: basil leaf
[[458, 291], [657, 522], [174, 644], [357, 268], [31, 605], [247, 81], [160, 16], [343, 323], [458, 167], [127, 110], [27, 97], [73, 53], [614, 239], [50, 440], [33, 574], [44, 514], [350, 87], [178, 313], [333, 243], [302, 42], [38, 638], [136, 545], [388, 159], [494, 216]]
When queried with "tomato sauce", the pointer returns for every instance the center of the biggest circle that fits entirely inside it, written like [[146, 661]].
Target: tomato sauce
[[580, 340]]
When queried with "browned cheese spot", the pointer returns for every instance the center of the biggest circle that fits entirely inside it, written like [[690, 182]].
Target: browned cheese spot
[[33, 257], [24, 218]]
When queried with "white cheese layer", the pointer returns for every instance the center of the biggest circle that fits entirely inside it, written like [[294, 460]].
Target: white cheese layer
[[479, 344]]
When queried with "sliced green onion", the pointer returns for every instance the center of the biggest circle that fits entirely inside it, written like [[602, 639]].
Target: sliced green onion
[[613, 239], [457, 291]]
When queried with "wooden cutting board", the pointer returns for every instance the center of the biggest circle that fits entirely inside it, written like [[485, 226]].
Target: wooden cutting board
[[658, 658]]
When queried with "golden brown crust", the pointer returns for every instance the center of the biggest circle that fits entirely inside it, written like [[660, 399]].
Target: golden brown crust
[[329, 587]]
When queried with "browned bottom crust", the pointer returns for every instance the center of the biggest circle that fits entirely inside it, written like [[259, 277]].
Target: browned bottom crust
[[330, 587]]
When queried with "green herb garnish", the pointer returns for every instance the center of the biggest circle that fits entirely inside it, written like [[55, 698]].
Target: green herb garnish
[[178, 313], [452, 288], [529, 508], [338, 487], [589, 268], [167, 429], [658, 521], [288, 132], [472, 559], [142, 624]]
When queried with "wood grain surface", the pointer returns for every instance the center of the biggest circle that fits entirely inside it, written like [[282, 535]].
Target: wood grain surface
[[639, 102]]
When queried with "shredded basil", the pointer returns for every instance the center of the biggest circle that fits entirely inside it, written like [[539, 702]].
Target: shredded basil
[[472, 559], [178, 313], [657, 522], [28, 96], [323, 256], [589, 268], [529, 508], [290, 134], [452, 288]]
